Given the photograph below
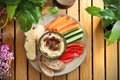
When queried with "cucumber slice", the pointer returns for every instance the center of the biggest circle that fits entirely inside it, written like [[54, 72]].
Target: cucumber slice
[[73, 33], [74, 38], [70, 31]]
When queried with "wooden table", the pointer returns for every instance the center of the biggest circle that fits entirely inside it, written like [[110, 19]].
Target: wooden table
[[102, 62]]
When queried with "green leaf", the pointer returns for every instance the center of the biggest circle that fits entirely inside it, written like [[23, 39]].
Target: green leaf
[[117, 15], [94, 11], [25, 5], [11, 11], [9, 2], [107, 14], [106, 22], [53, 10], [2, 4], [115, 33], [109, 2], [25, 20], [107, 34], [38, 2], [38, 12]]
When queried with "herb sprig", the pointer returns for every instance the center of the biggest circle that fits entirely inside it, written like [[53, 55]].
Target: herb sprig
[[110, 16], [27, 12]]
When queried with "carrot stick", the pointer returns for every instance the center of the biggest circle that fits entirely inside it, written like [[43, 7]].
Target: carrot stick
[[69, 22], [57, 22], [68, 28], [60, 23], [52, 22]]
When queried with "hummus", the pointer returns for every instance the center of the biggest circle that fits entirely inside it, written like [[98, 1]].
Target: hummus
[[52, 44]]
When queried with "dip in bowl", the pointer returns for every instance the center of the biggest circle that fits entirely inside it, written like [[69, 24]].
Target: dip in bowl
[[52, 45]]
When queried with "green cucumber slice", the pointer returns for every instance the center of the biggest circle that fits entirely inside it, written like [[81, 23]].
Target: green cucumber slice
[[74, 38], [70, 31], [73, 33]]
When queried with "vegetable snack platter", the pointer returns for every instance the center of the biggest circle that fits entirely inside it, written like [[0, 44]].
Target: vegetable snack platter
[[68, 66]]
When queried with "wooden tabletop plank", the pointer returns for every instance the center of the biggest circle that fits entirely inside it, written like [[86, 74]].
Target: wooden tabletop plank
[[98, 45], [111, 62], [21, 60], [74, 75], [8, 37], [85, 20], [62, 77], [32, 73], [44, 77]]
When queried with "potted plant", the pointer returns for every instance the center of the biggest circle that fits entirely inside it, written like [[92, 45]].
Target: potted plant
[[110, 16], [26, 12]]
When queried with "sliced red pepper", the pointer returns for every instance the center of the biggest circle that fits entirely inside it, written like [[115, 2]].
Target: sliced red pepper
[[70, 54], [67, 60], [76, 44], [74, 48]]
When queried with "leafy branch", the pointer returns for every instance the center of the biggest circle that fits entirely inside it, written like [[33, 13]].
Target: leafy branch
[[27, 12], [110, 16]]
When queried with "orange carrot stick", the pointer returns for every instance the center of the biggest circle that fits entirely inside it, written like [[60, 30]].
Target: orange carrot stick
[[52, 22], [69, 22], [68, 28], [57, 22], [60, 23]]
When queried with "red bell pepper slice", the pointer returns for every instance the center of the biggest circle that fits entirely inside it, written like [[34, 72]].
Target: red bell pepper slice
[[71, 54], [67, 60], [76, 44], [74, 48]]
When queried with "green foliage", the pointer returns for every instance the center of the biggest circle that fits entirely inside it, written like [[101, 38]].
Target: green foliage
[[53, 10], [115, 33], [27, 12], [9, 2], [11, 10], [38, 2], [110, 16]]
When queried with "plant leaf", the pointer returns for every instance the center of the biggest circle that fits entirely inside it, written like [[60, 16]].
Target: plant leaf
[[94, 11], [2, 4], [115, 33], [11, 11], [53, 10], [11, 2], [107, 34], [38, 2], [107, 14], [38, 12], [25, 20], [106, 22]]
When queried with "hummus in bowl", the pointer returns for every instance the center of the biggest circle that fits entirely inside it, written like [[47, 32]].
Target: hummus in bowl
[[52, 45]]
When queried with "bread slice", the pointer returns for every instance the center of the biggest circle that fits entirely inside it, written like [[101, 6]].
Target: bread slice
[[47, 71], [30, 45], [38, 31], [53, 64]]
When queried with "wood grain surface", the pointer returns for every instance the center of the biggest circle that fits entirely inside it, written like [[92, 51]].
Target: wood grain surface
[[102, 62], [86, 21]]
